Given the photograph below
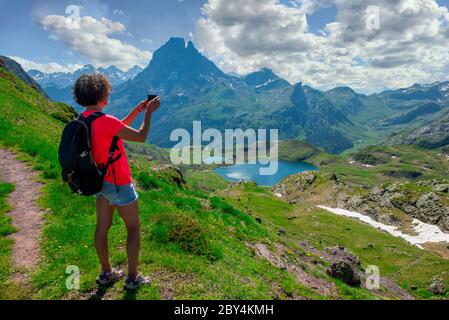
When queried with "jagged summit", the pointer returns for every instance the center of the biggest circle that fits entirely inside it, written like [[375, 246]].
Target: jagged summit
[[178, 60], [265, 78]]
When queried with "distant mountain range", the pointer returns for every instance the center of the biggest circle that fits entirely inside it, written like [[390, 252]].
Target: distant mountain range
[[62, 80], [58, 85], [194, 88]]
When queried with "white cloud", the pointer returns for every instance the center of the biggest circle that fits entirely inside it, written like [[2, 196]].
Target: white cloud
[[46, 67], [91, 38], [311, 6], [410, 46]]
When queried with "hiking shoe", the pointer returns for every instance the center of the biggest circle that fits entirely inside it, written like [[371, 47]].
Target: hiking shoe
[[137, 283], [108, 278]]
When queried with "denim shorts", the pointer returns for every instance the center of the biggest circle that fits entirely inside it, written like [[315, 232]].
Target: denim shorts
[[126, 194]]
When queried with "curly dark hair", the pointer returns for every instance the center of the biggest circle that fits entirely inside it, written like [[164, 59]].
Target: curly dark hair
[[91, 89]]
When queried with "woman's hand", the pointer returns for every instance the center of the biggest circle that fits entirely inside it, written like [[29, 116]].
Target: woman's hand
[[150, 106], [153, 105], [130, 134], [142, 106]]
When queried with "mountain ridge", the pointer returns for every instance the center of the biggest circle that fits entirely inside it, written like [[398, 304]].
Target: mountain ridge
[[193, 88], [15, 68], [64, 79], [285, 249]]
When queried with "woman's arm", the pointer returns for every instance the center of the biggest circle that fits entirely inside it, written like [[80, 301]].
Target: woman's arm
[[131, 134], [129, 119]]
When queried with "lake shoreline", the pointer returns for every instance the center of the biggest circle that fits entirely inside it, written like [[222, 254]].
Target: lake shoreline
[[251, 172]]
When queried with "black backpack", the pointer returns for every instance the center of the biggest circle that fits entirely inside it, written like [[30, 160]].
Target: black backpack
[[79, 169]]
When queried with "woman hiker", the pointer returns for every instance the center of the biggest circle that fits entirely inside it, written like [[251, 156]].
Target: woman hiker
[[92, 92]]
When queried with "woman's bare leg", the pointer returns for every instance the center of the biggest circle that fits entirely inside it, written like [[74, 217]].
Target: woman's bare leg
[[130, 214], [104, 221]]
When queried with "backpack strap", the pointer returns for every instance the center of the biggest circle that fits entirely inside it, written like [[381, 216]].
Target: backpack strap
[[111, 160], [112, 149], [114, 145], [89, 120]]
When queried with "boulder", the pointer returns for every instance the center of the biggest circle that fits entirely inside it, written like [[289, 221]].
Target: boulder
[[376, 194], [430, 209], [300, 181], [346, 272], [441, 188], [339, 253], [282, 231], [437, 287]]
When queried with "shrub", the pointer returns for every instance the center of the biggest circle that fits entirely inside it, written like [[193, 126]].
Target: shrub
[[186, 232], [403, 174], [366, 158], [148, 182]]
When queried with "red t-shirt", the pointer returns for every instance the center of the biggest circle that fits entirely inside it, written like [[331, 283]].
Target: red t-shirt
[[104, 129]]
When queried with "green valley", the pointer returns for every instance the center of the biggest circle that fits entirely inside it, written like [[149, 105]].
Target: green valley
[[205, 238]]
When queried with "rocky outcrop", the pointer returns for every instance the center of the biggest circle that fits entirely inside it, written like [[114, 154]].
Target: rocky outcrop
[[425, 200], [296, 182], [345, 266], [296, 267], [303, 187], [345, 272], [433, 135], [437, 287]]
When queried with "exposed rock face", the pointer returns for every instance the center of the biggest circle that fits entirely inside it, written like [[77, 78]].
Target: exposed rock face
[[430, 208], [302, 187], [295, 267], [437, 287], [426, 201], [431, 136], [295, 182], [345, 266], [341, 254], [346, 272], [441, 188]]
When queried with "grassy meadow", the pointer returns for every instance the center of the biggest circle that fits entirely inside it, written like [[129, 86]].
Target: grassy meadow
[[196, 238]]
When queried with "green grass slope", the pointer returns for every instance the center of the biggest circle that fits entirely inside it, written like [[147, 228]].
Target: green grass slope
[[296, 150], [411, 267], [193, 246], [380, 164], [197, 239]]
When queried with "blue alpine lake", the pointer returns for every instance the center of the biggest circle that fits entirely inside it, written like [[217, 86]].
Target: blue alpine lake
[[250, 172]]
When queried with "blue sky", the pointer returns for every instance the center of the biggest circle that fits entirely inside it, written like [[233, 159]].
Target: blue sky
[[323, 43], [153, 22], [150, 24]]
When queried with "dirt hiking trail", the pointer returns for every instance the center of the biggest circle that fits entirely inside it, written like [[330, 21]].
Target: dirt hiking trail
[[26, 216]]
